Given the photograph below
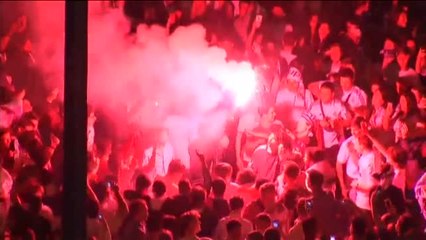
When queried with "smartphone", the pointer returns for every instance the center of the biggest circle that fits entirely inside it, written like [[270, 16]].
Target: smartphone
[[276, 224], [308, 205]]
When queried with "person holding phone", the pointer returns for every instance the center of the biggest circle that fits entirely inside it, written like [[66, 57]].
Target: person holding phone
[[386, 199]]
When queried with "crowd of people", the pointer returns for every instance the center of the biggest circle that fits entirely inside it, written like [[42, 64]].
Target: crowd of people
[[333, 147]]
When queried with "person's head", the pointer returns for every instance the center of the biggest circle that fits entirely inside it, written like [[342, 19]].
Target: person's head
[[314, 20], [324, 30], [346, 79], [272, 234], [273, 144], [176, 169], [362, 7], [234, 230], [398, 157], [335, 52], [353, 30], [408, 103], [184, 187], [402, 19], [278, 11], [236, 204], [289, 40], [223, 170], [356, 126], [142, 183], [246, 177], [158, 188], [190, 224], [243, 8], [327, 92], [314, 181], [267, 112], [380, 97], [138, 210], [386, 176], [290, 199], [291, 172], [262, 222], [198, 197], [5, 139], [218, 188], [255, 235], [268, 195]]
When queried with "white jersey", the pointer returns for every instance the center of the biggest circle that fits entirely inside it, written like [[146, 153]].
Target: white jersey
[[355, 97], [333, 110]]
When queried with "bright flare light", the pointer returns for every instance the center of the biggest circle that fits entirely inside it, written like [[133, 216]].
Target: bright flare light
[[240, 80]]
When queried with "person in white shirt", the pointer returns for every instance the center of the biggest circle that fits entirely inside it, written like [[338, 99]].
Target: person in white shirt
[[157, 158], [368, 165], [236, 204], [353, 97], [349, 153], [293, 96], [332, 116]]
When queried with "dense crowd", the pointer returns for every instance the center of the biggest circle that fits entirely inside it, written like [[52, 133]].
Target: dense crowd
[[333, 147]]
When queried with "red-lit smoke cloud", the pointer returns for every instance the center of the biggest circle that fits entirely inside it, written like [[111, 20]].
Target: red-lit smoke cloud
[[174, 81]]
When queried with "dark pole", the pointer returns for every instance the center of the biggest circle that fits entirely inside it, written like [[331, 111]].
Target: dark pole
[[75, 131]]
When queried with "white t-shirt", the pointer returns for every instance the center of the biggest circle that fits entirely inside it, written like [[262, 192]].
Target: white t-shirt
[[221, 233], [300, 103], [333, 111], [163, 158], [376, 119], [344, 157], [367, 167], [356, 97]]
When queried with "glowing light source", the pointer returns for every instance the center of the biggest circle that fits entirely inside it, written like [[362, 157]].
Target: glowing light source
[[240, 80]]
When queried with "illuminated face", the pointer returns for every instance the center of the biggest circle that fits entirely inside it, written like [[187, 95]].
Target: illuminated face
[[402, 20], [5, 141], [346, 83], [323, 30], [271, 114], [326, 95], [374, 88], [377, 99], [244, 7], [314, 21], [356, 131], [335, 53]]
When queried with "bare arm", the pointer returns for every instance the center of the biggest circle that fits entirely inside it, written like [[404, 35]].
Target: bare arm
[[238, 149]]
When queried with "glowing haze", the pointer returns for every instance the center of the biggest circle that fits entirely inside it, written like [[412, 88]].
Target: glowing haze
[[175, 81]]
